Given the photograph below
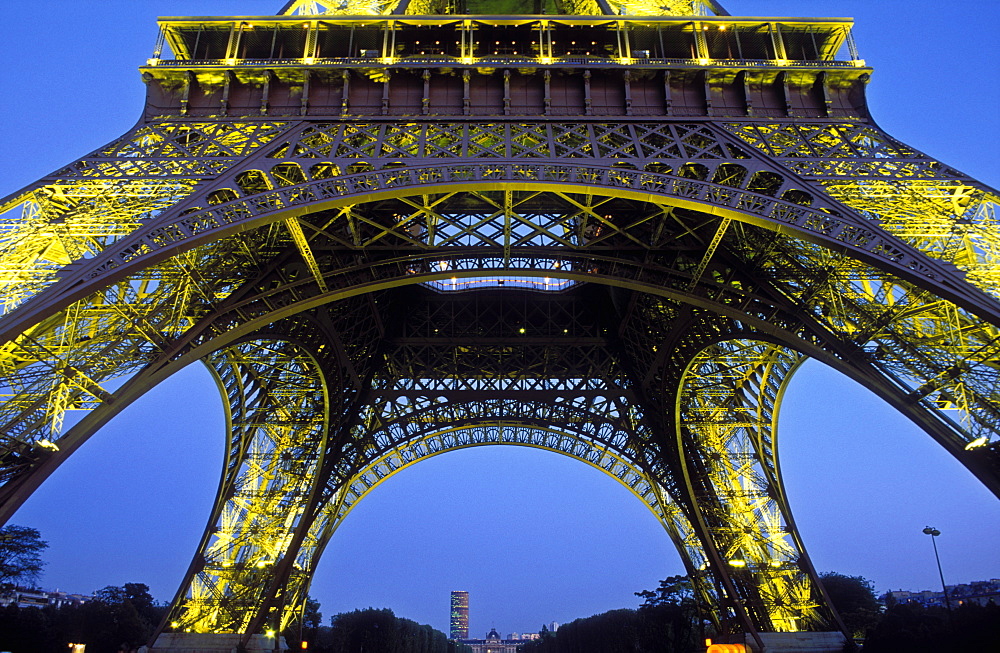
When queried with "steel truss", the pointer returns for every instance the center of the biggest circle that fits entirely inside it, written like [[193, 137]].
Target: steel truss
[[370, 290], [422, 7], [726, 430]]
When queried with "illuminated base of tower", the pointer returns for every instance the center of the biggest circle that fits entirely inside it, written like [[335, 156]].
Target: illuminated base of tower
[[824, 642], [212, 643]]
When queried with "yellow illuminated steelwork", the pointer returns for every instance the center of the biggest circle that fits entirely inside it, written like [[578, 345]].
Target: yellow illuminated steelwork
[[728, 403], [270, 218], [383, 7]]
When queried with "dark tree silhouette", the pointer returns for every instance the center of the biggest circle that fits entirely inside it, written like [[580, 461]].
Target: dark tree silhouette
[[854, 598], [20, 555]]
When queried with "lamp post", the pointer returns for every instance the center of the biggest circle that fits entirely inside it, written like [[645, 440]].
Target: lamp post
[[933, 532]]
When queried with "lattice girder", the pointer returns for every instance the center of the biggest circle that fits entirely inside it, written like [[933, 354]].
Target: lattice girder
[[746, 189], [277, 412], [80, 210], [937, 209], [578, 220], [572, 7], [726, 424], [808, 285], [589, 419], [291, 393], [441, 439]]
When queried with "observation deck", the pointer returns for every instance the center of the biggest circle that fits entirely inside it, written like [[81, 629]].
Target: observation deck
[[521, 65]]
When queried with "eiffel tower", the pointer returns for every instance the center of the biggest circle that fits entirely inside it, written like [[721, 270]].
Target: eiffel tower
[[606, 228]]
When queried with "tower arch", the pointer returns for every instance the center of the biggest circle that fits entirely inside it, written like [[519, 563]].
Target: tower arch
[[773, 213]]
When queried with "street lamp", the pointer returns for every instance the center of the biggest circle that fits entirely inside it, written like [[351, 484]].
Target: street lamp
[[933, 532]]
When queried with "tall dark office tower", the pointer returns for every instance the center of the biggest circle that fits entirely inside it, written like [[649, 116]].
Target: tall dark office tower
[[459, 615]]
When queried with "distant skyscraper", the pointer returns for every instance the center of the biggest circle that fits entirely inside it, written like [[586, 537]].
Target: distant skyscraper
[[459, 615]]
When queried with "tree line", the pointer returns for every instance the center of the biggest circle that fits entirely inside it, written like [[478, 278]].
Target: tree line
[[375, 630], [124, 618], [668, 621], [117, 619]]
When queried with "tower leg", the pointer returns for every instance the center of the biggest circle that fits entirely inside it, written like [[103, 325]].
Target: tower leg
[[727, 422], [278, 428]]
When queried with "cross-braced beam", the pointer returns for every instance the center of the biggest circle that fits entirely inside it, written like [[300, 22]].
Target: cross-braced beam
[[278, 421], [727, 410]]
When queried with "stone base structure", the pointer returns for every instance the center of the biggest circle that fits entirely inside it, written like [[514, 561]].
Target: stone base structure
[[824, 642], [213, 643]]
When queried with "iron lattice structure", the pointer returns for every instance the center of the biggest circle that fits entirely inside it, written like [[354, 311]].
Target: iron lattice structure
[[396, 229]]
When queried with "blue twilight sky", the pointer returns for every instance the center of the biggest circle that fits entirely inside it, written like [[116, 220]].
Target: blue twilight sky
[[533, 536]]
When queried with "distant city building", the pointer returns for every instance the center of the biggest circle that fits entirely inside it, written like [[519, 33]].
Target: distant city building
[[36, 598], [980, 591], [493, 643], [459, 615], [525, 637]]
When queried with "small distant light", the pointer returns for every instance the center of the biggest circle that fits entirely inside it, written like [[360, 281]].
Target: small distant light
[[703, 62], [309, 60], [174, 624], [46, 444], [261, 564], [521, 330], [305, 645], [270, 633], [708, 641], [975, 444], [231, 62], [775, 564], [705, 28], [738, 563], [545, 60], [722, 28]]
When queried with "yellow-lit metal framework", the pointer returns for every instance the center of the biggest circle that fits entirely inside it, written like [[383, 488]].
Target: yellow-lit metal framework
[[612, 235], [424, 7]]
